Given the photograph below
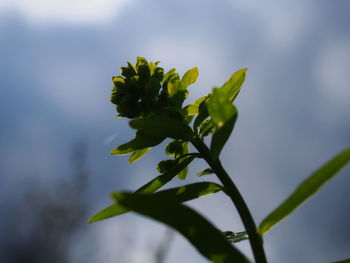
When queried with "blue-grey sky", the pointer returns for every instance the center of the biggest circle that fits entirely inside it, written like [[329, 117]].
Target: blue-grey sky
[[56, 63]]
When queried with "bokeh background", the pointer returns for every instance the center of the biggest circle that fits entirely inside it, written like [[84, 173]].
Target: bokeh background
[[57, 125]]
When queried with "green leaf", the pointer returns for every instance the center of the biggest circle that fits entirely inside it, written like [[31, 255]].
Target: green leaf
[[220, 108], [163, 179], [185, 149], [193, 109], [208, 240], [221, 136], [342, 261], [138, 154], [305, 190], [205, 172], [234, 84], [174, 86], [183, 193], [190, 77], [174, 148], [169, 75], [177, 93], [108, 212], [150, 187], [189, 192], [206, 128], [141, 141], [202, 113], [166, 165], [163, 127], [131, 66]]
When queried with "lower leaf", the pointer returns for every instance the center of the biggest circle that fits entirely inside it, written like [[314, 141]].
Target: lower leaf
[[206, 238]]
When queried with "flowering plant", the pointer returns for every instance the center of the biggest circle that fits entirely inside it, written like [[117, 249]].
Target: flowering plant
[[153, 100]]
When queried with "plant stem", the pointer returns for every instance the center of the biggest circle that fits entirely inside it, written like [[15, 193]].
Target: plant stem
[[232, 191]]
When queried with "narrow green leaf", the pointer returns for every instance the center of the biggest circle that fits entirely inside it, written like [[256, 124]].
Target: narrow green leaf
[[177, 93], [202, 113], [183, 193], [174, 148], [221, 136], [174, 86], [169, 75], [165, 165], [342, 261], [108, 212], [132, 67], [206, 128], [138, 143], [193, 109], [205, 172], [305, 190], [190, 77], [185, 150], [201, 117], [189, 192], [208, 240], [163, 179], [150, 187], [234, 84], [220, 108], [163, 127], [138, 154]]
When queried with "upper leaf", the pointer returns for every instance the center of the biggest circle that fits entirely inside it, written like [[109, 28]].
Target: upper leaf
[[221, 136], [234, 84], [163, 179], [209, 241], [205, 172], [305, 190], [190, 77], [185, 150], [220, 108], [183, 193], [202, 113], [141, 141], [163, 127], [138, 154], [193, 109]]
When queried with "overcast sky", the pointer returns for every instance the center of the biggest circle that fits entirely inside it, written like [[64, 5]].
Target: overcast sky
[[56, 63]]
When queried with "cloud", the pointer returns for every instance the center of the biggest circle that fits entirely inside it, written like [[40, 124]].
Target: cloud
[[331, 73], [72, 11], [74, 88]]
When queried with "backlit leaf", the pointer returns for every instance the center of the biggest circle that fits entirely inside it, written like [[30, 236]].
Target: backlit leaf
[[220, 108], [190, 77], [138, 154], [163, 127], [221, 136], [138, 143], [202, 113], [193, 109], [206, 128], [305, 190], [206, 238], [185, 149], [205, 172], [234, 84]]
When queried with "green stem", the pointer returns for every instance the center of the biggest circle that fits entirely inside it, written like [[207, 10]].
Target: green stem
[[232, 191]]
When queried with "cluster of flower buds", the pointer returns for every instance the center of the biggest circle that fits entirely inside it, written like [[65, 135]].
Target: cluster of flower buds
[[142, 89]]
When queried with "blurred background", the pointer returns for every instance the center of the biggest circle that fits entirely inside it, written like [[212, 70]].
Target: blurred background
[[57, 127]]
